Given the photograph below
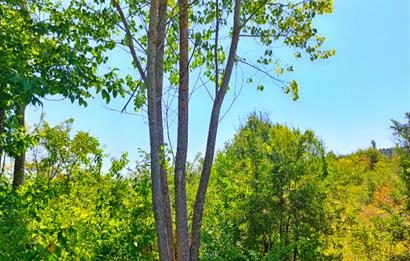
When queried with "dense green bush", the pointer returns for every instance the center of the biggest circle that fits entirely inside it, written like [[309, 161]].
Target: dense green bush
[[68, 208]]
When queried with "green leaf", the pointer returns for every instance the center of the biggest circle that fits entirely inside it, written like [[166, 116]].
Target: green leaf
[[105, 96]]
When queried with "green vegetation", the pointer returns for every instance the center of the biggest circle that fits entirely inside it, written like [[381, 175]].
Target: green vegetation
[[67, 208], [275, 194], [69, 49]]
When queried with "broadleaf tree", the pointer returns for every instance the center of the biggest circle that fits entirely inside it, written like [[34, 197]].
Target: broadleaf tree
[[269, 180], [175, 40], [402, 133], [43, 52]]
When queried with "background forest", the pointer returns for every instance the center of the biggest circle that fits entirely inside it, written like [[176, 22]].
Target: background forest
[[275, 194]]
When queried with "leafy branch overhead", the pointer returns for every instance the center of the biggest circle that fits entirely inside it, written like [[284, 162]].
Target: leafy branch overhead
[[55, 52]]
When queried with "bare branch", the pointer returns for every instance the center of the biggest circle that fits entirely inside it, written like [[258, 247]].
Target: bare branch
[[130, 41], [131, 96], [119, 25], [263, 71], [124, 112], [235, 96], [253, 13], [216, 47]]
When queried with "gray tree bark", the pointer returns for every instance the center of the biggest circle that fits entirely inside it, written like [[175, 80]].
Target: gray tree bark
[[20, 159], [159, 74], [157, 200], [182, 139], [2, 130], [154, 81], [2, 127]]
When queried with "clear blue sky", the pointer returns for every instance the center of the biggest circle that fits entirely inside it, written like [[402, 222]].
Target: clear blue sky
[[347, 100]]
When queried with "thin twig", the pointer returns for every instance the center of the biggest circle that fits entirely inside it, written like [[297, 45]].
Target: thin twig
[[130, 41]]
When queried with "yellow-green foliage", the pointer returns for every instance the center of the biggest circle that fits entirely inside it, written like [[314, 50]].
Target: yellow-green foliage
[[356, 209], [370, 221], [89, 216], [69, 210]]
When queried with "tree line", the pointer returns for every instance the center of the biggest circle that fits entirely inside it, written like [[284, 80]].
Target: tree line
[[275, 194]]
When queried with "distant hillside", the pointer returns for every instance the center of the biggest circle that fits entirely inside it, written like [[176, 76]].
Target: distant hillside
[[387, 152]]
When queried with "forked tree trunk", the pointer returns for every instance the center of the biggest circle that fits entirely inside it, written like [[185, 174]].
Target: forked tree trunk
[[182, 139], [20, 159], [212, 133]]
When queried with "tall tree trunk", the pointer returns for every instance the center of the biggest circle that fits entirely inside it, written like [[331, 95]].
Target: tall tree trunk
[[212, 132], [182, 139], [154, 80], [159, 74], [20, 159], [2, 130], [2, 127], [157, 200]]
